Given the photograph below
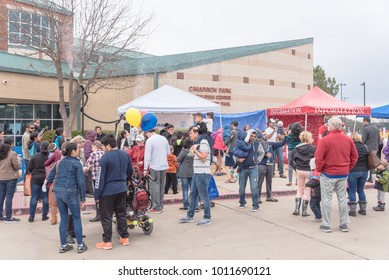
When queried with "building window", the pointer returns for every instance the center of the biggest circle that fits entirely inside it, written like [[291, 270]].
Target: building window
[[16, 116], [309, 87], [30, 29], [271, 82], [309, 56], [180, 75], [246, 80], [215, 78], [293, 52], [293, 84]]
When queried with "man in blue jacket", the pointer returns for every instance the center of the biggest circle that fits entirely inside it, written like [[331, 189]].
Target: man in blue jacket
[[111, 191], [247, 151]]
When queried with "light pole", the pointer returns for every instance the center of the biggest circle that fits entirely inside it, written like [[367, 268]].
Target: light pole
[[364, 93], [341, 90]]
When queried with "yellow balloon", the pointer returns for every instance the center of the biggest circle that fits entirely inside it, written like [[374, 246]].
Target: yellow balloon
[[133, 117]]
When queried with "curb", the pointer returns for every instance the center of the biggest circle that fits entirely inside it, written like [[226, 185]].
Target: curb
[[91, 207]]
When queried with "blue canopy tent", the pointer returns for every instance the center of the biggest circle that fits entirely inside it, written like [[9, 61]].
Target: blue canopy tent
[[381, 112], [256, 119]]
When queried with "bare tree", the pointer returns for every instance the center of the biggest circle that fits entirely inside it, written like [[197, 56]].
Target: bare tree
[[88, 41]]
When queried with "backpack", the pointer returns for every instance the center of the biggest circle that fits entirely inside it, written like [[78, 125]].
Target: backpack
[[211, 141], [141, 199], [31, 150], [226, 136]]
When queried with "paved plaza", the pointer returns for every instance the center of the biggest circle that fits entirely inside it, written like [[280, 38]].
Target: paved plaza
[[272, 233]]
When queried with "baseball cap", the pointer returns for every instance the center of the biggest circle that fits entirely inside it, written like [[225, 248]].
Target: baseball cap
[[140, 138]]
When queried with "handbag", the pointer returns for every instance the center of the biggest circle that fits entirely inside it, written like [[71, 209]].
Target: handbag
[[27, 185], [372, 160], [52, 200]]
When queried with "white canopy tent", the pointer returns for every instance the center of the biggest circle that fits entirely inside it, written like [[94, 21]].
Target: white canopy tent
[[170, 100]]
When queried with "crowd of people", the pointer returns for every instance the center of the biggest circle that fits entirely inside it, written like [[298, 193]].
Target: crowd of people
[[68, 170]]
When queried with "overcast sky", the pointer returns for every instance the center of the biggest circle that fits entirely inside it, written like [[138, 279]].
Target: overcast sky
[[351, 38]]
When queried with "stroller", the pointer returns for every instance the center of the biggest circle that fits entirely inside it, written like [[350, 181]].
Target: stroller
[[138, 202]]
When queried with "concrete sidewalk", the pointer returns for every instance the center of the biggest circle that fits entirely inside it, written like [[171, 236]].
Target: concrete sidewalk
[[226, 190]]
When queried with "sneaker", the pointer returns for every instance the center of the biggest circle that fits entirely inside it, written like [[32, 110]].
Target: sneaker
[[283, 176], [242, 206], [64, 249], [186, 219], [343, 228], [154, 211], [104, 245], [289, 184], [31, 219], [197, 210], [255, 209], [183, 208], [272, 199], [2, 219], [317, 219], [325, 228], [11, 220], [82, 248], [204, 222], [45, 218], [124, 241]]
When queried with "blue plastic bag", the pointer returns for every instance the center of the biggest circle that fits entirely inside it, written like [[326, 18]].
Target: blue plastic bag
[[212, 189]]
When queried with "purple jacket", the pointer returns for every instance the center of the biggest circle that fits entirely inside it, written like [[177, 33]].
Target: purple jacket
[[385, 151], [90, 138]]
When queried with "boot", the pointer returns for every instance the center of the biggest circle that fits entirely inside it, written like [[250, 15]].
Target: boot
[[362, 207], [353, 209], [304, 208], [298, 203], [380, 206], [97, 218]]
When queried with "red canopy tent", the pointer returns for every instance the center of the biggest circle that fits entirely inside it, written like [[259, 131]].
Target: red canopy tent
[[310, 108]]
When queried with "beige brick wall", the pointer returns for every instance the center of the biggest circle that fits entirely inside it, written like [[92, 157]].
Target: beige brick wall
[[280, 66], [28, 88]]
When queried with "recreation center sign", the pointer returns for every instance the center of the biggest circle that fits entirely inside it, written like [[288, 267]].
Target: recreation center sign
[[221, 96]]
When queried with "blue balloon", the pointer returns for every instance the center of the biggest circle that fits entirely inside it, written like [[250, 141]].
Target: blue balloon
[[149, 121]]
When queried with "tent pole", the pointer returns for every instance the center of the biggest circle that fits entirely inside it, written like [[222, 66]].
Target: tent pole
[[220, 117], [306, 120]]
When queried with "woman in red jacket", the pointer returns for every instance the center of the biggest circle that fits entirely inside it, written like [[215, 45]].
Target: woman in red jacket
[[137, 153]]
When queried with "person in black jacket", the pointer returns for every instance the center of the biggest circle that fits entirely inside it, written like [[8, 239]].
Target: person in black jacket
[[36, 167], [111, 191], [357, 178], [265, 166], [300, 157]]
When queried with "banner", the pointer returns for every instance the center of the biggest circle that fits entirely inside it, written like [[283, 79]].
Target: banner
[[256, 119]]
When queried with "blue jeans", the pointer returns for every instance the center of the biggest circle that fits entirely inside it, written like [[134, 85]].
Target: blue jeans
[[36, 193], [185, 183], [199, 188], [356, 183], [7, 190], [279, 153], [69, 201], [314, 203], [244, 174]]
